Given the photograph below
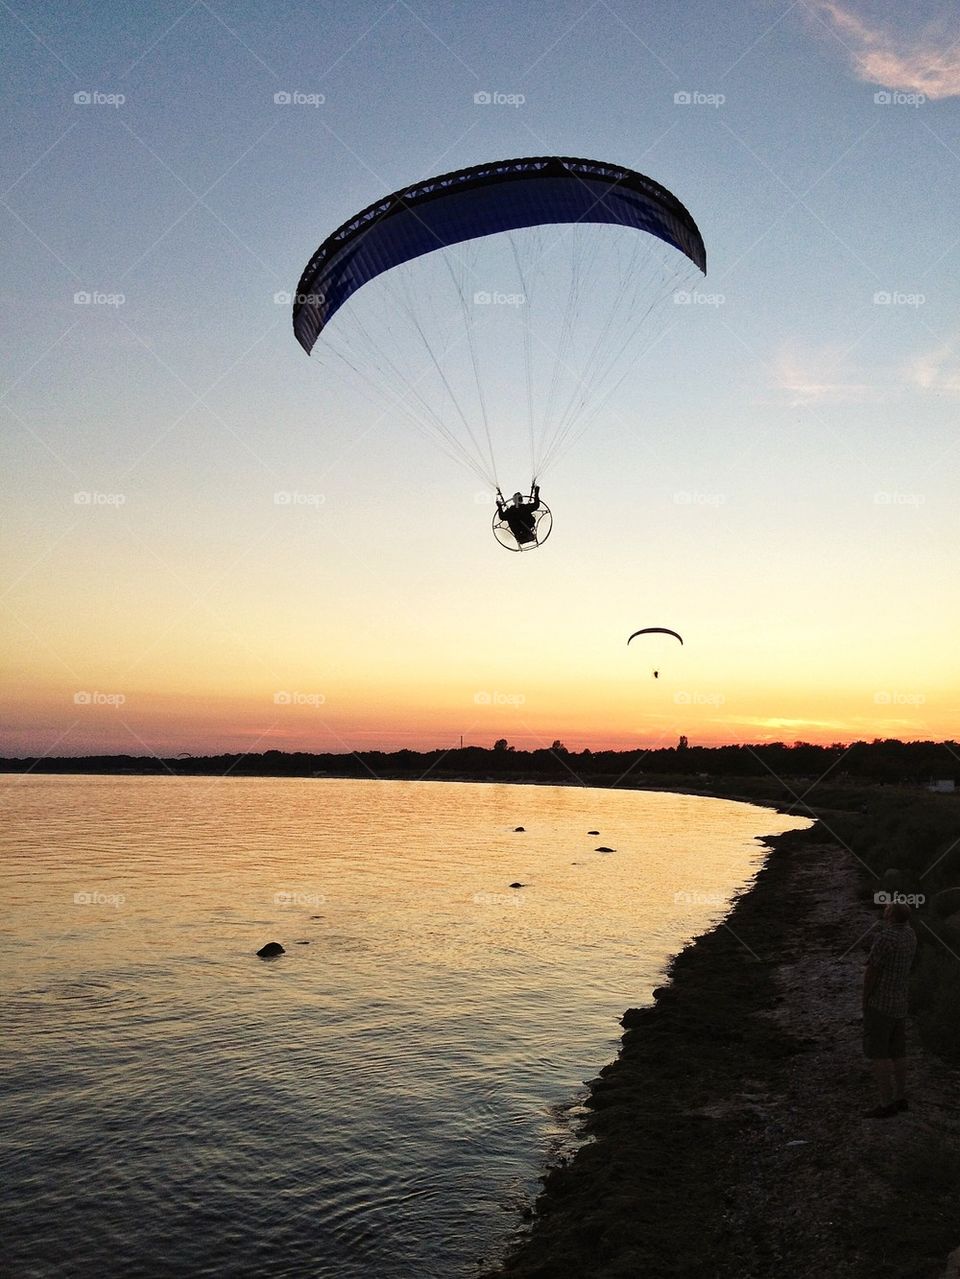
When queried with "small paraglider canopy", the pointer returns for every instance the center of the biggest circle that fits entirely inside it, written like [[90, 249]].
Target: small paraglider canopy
[[655, 630]]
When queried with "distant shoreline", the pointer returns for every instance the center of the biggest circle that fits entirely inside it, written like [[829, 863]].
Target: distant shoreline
[[788, 795]]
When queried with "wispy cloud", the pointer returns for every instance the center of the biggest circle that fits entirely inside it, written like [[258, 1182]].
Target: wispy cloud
[[937, 370], [923, 61], [801, 378]]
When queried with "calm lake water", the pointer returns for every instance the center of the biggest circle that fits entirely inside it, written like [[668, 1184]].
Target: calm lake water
[[377, 1102]]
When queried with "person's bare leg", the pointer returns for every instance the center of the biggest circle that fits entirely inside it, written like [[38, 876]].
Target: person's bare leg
[[900, 1078], [883, 1073]]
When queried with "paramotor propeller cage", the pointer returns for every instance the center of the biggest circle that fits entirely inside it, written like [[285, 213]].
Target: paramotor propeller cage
[[540, 530]]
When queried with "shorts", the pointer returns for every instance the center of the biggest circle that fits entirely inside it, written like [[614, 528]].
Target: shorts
[[884, 1037]]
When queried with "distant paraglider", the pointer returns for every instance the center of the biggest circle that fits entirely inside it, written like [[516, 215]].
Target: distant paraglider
[[656, 630]]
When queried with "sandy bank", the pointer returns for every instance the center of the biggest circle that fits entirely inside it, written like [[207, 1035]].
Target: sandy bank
[[727, 1139]]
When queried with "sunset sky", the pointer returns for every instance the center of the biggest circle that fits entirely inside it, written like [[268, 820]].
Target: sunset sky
[[776, 480]]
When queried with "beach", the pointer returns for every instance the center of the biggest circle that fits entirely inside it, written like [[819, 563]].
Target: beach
[[727, 1138]]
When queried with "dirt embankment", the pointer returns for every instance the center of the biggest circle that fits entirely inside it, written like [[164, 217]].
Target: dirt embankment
[[727, 1138]]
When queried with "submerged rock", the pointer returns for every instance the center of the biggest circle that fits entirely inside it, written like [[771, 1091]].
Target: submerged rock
[[604, 849], [593, 832], [301, 943], [518, 829], [518, 885], [272, 948]]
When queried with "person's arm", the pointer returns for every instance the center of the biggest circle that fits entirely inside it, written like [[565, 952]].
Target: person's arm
[[870, 975], [872, 972]]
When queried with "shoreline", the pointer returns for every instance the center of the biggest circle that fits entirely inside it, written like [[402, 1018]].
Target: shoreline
[[726, 1139]]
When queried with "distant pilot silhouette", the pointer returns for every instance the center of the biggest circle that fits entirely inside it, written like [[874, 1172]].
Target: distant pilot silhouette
[[519, 515]]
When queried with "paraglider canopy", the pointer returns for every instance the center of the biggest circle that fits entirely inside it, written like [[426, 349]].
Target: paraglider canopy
[[496, 310], [481, 201], [655, 630]]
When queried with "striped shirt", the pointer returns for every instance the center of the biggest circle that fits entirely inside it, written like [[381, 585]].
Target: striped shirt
[[892, 956]]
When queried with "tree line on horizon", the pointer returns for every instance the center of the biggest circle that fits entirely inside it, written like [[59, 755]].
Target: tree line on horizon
[[888, 761]]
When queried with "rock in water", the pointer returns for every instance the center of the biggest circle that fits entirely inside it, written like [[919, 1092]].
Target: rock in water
[[518, 885], [272, 948], [518, 829], [593, 832], [604, 849]]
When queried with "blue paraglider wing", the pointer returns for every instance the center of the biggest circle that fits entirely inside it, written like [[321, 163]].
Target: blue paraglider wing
[[471, 203]]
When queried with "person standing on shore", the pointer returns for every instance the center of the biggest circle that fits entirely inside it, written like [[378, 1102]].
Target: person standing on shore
[[885, 990]]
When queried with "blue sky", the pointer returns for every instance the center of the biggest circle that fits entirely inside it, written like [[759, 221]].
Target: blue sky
[[811, 411]]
